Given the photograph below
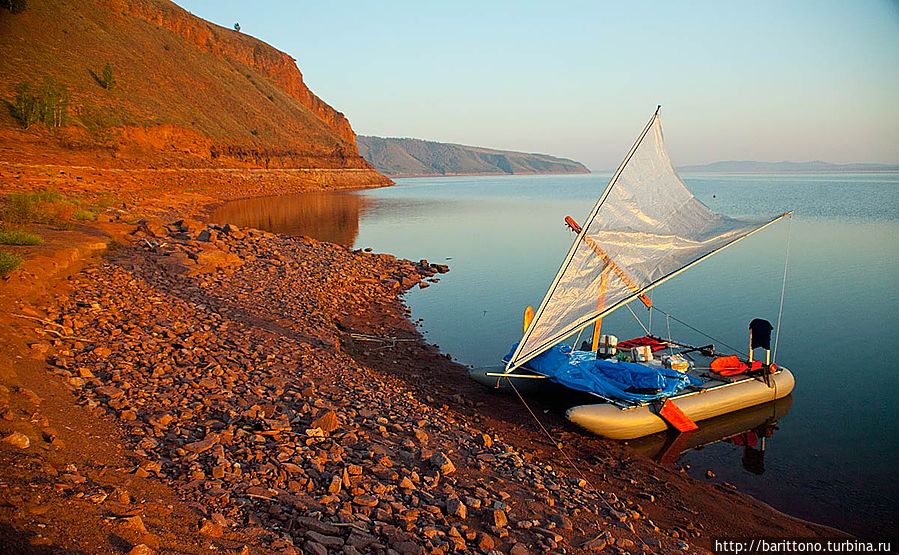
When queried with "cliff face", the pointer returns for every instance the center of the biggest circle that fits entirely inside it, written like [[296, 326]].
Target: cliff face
[[409, 157], [187, 93], [279, 67]]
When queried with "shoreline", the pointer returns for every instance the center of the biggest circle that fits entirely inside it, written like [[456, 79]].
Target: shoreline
[[416, 175], [506, 483]]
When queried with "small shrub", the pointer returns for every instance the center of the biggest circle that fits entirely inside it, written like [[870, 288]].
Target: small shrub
[[40, 207], [254, 132], [106, 200], [51, 208], [108, 77], [84, 215], [19, 237], [9, 262]]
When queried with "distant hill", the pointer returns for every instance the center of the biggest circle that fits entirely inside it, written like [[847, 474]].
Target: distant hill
[[750, 166], [186, 92], [408, 157]]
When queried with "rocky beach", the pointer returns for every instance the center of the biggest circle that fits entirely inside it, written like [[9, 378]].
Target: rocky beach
[[171, 382], [200, 386]]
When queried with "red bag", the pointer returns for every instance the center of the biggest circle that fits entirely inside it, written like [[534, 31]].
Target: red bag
[[732, 365]]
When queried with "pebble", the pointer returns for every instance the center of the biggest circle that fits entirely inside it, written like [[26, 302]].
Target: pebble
[[18, 440], [443, 462]]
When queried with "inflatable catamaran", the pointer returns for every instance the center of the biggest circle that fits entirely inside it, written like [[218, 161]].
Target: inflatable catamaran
[[645, 229]]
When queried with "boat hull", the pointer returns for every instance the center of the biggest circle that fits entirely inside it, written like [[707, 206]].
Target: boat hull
[[656, 446], [613, 422]]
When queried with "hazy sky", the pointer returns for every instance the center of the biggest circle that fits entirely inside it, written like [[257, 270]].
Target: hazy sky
[[763, 80]]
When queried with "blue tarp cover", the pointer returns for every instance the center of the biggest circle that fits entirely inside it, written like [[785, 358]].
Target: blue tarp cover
[[581, 370]]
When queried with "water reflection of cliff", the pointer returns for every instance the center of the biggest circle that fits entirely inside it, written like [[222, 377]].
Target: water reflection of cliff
[[332, 217]]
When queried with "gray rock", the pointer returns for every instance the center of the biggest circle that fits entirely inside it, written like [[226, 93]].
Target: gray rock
[[443, 462]]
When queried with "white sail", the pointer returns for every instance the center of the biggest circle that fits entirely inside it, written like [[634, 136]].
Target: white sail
[[646, 227]]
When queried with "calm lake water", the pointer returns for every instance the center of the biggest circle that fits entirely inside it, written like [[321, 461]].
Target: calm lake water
[[833, 457]]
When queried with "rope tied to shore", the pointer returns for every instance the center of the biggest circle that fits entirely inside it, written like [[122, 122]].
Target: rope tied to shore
[[558, 444]]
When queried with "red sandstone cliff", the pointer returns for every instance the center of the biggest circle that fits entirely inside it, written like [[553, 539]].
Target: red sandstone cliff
[[274, 64], [187, 93]]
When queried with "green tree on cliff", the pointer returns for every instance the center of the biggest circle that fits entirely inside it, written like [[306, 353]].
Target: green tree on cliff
[[25, 107], [53, 103], [108, 77]]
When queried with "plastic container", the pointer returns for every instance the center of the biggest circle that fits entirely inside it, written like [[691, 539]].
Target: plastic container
[[676, 362], [608, 346], [643, 353]]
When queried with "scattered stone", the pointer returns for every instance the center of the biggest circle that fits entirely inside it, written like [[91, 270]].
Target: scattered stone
[[499, 518], [215, 376], [484, 440], [455, 507], [211, 529], [18, 440], [486, 541], [366, 500], [327, 422], [443, 462], [596, 544], [141, 549]]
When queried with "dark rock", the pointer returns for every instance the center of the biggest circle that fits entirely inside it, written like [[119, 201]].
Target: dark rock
[[455, 507], [332, 541], [443, 462]]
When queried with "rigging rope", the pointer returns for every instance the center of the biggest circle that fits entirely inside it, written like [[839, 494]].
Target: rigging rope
[[558, 445], [578, 338], [783, 289], [700, 332], [638, 319], [668, 325]]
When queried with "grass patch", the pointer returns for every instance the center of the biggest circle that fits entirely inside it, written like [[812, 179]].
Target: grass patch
[[51, 208], [40, 207], [8, 262], [19, 237], [84, 215]]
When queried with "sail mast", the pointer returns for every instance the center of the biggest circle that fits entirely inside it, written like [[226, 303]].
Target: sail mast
[[579, 238]]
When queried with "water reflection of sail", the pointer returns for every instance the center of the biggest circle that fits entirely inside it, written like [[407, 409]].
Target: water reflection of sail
[[739, 427], [332, 217]]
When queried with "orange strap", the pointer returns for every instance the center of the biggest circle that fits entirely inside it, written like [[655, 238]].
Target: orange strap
[[672, 414]]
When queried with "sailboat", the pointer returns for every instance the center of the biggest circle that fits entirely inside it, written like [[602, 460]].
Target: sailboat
[[645, 229]]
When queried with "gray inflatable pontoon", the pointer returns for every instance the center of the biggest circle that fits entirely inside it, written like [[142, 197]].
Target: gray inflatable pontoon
[[713, 398], [717, 396]]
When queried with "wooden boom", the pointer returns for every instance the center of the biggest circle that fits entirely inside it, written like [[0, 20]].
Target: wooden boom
[[619, 271]]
